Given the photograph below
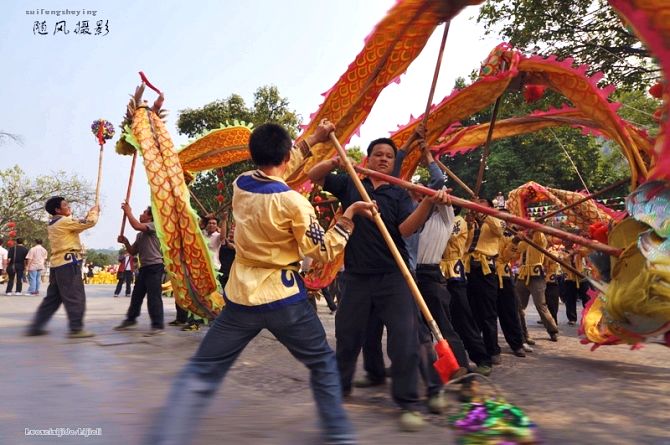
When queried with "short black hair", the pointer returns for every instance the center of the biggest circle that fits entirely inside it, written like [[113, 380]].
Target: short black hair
[[382, 141], [457, 209], [151, 213], [53, 203], [38, 241], [19, 240], [269, 145]]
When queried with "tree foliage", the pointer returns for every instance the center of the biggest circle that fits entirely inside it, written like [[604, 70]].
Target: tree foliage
[[268, 106], [590, 31], [22, 199]]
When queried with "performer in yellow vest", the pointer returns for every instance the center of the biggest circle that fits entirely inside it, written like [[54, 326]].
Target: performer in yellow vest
[[531, 280]]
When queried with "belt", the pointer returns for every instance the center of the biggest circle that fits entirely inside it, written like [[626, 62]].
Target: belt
[[427, 267]]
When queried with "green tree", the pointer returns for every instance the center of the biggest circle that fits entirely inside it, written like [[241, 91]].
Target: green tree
[[590, 31], [102, 257], [268, 106], [22, 199]]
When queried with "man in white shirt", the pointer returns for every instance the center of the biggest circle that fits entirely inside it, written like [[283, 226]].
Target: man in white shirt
[[36, 257]]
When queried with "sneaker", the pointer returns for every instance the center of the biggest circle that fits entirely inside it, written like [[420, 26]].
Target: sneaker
[[176, 323], [191, 327], [125, 324], [553, 337], [366, 382], [526, 347], [437, 404], [34, 293], [530, 341], [519, 352], [572, 323], [496, 359], [411, 421], [80, 334], [32, 332], [484, 370], [539, 322], [127, 295], [116, 295]]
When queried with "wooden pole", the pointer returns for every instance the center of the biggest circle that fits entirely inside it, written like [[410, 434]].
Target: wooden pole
[[487, 146], [130, 187], [584, 199], [453, 176], [591, 244], [197, 201], [97, 185]]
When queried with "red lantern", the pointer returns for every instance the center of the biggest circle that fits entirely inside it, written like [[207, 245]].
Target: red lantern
[[219, 198], [219, 186], [317, 198], [11, 243], [11, 224], [657, 90], [12, 233]]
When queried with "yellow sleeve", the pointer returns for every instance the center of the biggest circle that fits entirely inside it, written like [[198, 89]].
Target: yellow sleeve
[[495, 225], [79, 225], [313, 241]]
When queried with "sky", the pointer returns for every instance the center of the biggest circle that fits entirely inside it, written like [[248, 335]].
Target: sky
[[54, 86]]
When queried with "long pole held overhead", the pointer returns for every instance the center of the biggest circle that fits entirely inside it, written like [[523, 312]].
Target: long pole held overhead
[[591, 244], [130, 187], [446, 363]]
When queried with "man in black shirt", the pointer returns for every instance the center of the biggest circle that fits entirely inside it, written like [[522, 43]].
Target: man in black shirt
[[16, 266], [373, 283]]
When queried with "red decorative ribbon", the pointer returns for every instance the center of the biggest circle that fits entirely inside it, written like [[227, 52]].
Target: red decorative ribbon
[[146, 81]]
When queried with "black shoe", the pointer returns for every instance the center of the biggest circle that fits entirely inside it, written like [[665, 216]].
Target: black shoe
[[519, 352], [530, 341], [553, 337], [366, 382], [125, 324], [496, 359], [572, 323], [176, 323], [32, 332]]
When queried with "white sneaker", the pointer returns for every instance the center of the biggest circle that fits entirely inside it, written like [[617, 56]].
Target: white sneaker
[[526, 347]]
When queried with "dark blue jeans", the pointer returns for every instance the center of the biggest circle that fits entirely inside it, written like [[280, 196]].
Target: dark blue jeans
[[297, 327]]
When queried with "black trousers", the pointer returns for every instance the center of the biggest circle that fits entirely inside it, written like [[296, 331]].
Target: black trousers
[[12, 273], [433, 287], [552, 295], [148, 283], [464, 322], [572, 293], [483, 296], [65, 286], [387, 296], [508, 314], [373, 355], [124, 277]]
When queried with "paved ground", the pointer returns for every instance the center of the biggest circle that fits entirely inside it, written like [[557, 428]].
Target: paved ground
[[117, 380]]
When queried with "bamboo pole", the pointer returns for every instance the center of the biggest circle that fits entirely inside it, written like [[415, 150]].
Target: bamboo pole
[[130, 187], [97, 185], [591, 244]]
